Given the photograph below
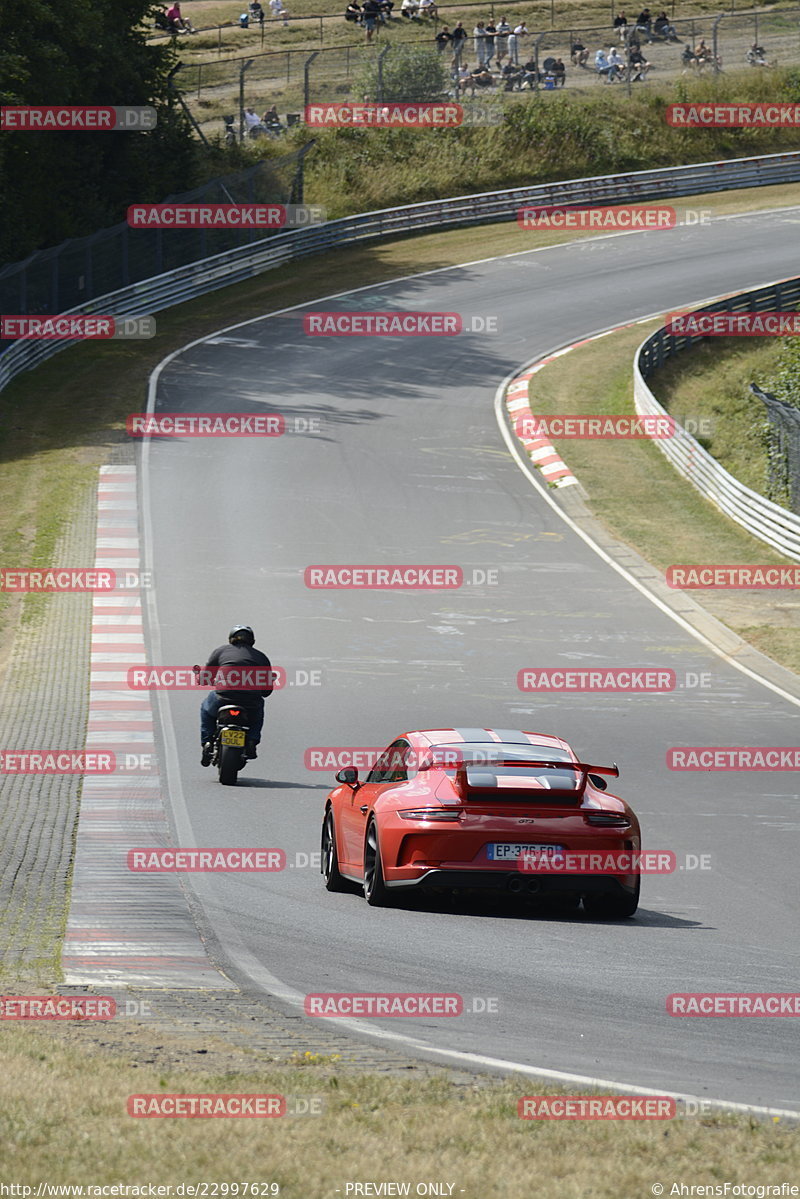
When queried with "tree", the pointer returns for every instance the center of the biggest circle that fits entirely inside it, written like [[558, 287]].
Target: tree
[[408, 73], [56, 185]]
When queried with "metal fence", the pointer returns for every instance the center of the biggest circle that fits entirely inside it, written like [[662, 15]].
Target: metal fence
[[290, 78], [68, 275], [767, 521], [783, 448]]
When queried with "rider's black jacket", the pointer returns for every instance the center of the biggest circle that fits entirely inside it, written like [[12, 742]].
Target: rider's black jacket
[[244, 659]]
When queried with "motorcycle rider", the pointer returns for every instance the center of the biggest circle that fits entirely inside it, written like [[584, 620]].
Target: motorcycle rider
[[238, 654]]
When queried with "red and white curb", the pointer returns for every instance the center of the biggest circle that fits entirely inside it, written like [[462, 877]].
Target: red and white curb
[[541, 452], [125, 927]]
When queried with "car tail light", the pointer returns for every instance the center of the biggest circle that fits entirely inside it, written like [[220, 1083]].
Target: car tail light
[[427, 814], [234, 712], [608, 820]]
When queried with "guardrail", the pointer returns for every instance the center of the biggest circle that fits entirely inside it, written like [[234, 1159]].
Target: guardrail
[[233, 266], [768, 522]]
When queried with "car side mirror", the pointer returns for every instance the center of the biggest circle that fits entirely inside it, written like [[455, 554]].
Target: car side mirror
[[597, 781], [349, 776]]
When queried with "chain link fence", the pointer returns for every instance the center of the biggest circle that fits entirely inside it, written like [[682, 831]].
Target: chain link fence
[[783, 449], [289, 79], [73, 273]]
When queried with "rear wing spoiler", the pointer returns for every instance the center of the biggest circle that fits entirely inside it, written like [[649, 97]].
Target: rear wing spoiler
[[472, 780]]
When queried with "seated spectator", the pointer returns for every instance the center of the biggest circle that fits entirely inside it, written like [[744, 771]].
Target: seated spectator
[[621, 25], [530, 73], [702, 52], [616, 62], [514, 76], [560, 72], [427, 8], [162, 21], [353, 12], [639, 65], [410, 9], [256, 12], [605, 66], [688, 57], [253, 124], [277, 10], [663, 29], [177, 23], [578, 54], [756, 56], [385, 11], [643, 23], [271, 120], [463, 77], [443, 38], [481, 76]]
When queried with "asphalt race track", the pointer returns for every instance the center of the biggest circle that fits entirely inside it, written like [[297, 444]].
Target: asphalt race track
[[410, 466]]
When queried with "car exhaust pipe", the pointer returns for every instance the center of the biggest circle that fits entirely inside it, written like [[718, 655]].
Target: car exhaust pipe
[[533, 886], [515, 885]]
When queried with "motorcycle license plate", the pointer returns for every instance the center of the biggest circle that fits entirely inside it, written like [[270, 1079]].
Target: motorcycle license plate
[[232, 737]]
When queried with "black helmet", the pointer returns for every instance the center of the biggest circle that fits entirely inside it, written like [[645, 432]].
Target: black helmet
[[241, 634]]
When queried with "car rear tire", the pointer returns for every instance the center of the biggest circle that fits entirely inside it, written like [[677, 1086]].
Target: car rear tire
[[334, 881], [230, 762], [375, 890], [612, 907]]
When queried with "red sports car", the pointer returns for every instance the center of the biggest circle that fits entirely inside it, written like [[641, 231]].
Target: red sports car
[[483, 808]]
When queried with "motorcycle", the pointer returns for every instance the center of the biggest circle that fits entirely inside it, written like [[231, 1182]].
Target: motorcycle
[[229, 741]]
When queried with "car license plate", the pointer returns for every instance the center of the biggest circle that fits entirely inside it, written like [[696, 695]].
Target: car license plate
[[232, 737], [511, 851]]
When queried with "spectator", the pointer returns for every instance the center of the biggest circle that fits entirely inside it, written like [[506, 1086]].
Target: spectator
[[702, 52], [277, 10], [481, 76], [463, 77], [616, 62], [604, 67], [443, 38], [560, 72], [479, 34], [353, 12], [663, 29], [410, 9], [578, 54], [513, 47], [501, 40], [428, 8], [370, 13], [459, 38], [491, 33], [254, 126], [161, 22], [621, 24], [638, 64], [256, 12], [513, 75], [643, 22], [177, 23], [271, 120], [385, 10], [530, 73], [688, 58], [756, 56]]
